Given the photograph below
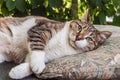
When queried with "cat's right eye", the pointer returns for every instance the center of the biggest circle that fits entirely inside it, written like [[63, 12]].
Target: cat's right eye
[[79, 28], [88, 39]]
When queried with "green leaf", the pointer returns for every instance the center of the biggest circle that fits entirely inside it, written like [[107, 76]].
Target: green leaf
[[40, 11], [36, 3], [102, 17], [55, 3], [116, 2], [1, 2], [116, 20], [10, 4], [110, 10], [4, 11], [98, 3], [20, 5]]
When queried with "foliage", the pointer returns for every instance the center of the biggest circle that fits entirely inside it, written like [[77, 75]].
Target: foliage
[[55, 9], [61, 9]]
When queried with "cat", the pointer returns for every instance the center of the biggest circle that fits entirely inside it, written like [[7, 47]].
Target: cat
[[33, 41]]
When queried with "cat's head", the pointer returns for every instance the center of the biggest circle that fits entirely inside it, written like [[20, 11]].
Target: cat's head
[[83, 35]]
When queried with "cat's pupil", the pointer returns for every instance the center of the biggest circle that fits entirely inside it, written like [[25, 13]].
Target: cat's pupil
[[79, 28], [88, 39]]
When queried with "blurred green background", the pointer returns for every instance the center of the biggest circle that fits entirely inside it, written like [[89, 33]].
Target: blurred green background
[[102, 11]]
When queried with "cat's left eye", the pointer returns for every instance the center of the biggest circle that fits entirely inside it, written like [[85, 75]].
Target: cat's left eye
[[79, 28], [88, 39]]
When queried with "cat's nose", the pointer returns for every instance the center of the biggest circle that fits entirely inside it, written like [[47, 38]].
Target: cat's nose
[[80, 37]]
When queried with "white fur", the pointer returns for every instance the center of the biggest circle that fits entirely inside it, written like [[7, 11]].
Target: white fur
[[19, 43], [20, 71], [16, 43], [71, 36], [81, 43], [58, 46], [20, 32], [37, 61], [23, 28], [5, 41], [2, 58], [34, 63]]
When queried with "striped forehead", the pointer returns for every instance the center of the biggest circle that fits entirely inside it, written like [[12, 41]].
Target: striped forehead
[[84, 24], [88, 27]]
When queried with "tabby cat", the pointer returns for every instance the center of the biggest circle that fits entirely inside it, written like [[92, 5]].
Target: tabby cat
[[38, 40]]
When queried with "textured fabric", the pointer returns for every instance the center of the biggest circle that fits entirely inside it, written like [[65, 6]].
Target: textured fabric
[[102, 63]]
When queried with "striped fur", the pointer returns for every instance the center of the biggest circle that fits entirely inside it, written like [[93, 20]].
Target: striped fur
[[13, 35], [39, 40], [40, 34]]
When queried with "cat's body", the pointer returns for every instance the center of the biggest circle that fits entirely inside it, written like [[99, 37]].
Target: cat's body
[[38, 40], [13, 35]]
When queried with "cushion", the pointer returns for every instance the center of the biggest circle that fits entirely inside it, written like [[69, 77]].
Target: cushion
[[102, 63]]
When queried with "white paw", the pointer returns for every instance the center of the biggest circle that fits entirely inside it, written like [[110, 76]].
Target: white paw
[[37, 62], [37, 68], [20, 71], [2, 58]]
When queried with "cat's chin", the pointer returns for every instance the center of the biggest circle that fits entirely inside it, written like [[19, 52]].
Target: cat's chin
[[81, 43]]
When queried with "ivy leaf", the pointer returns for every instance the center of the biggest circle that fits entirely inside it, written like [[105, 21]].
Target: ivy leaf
[[20, 5], [10, 5], [110, 10], [55, 3], [116, 20], [5, 11], [1, 2], [36, 3], [116, 2], [102, 17]]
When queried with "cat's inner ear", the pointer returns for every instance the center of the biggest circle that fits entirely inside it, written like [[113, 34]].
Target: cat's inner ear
[[104, 36], [86, 17]]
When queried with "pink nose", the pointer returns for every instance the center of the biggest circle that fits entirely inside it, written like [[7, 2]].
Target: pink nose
[[79, 37]]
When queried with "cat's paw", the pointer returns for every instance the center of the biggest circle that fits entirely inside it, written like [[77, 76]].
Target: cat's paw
[[37, 62], [37, 67], [20, 71]]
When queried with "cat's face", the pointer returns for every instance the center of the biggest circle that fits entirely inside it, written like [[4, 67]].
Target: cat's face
[[85, 36]]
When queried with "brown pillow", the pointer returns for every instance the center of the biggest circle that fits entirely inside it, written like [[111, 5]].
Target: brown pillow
[[102, 63]]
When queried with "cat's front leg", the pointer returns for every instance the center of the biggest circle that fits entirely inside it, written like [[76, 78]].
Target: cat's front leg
[[20, 71], [37, 61]]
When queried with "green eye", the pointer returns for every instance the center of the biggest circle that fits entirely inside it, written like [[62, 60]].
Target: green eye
[[88, 39], [79, 28]]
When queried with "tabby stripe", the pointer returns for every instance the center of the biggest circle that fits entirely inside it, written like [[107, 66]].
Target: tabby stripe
[[33, 36], [94, 43], [89, 48], [86, 29], [37, 40], [49, 31], [34, 32], [37, 47], [36, 44], [10, 31]]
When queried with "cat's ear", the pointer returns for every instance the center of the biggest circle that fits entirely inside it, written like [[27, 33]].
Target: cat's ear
[[104, 36], [86, 17]]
